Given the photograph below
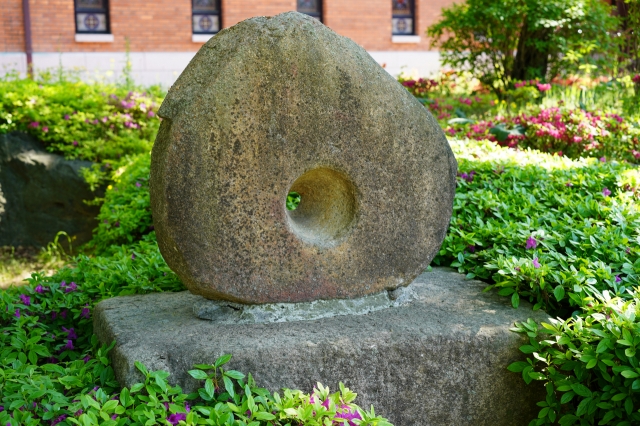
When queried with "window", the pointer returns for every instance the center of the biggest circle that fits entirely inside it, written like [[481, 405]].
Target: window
[[311, 8], [92, 16], [402, 21], [206, 16]]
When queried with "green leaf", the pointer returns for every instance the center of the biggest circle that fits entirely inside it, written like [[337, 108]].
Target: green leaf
[[228, 385], [581, 390], [558, 292], [264, 416], [234, 374], [517, 366], [222, 360], [198, 374], [515, 300]]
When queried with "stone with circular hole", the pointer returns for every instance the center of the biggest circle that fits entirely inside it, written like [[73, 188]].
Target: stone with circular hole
[[278, 105]]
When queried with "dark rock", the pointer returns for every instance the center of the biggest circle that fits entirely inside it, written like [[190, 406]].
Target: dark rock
[[41, 194], [280, 104], [438, 360]]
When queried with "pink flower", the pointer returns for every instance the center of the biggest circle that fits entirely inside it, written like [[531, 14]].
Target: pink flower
[[603, 160], [531, 243], [66, 117], [606, 192], [636, 79], [536, 264], [45, 129], [138, 184], [151, 114], [75, 143], [544, 87], [34, 124]]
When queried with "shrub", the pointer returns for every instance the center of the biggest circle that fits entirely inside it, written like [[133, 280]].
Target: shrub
[[87, 121]]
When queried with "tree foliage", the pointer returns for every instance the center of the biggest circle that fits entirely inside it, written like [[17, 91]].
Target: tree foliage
[[501, 41]]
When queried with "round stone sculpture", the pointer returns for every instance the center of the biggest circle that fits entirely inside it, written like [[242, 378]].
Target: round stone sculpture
[[283, 104]]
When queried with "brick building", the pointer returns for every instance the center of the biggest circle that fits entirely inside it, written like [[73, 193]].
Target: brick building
[[91, 36]]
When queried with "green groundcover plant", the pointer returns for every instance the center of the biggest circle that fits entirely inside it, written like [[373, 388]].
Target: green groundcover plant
[[565, 235]]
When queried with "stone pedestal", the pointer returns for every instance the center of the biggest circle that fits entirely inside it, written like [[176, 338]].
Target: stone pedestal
[[439, 359]]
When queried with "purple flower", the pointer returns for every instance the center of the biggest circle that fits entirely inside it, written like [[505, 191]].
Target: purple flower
[[71, 287], [536, 264], [39, 289], [17, 313], [85, 313], [113, 417], [63, 314], [348, 415], [66, 116], [71, 333], [471, 248], [138, 184], [618, 279], [186, 407], [86, 358], [26, 300], [58, 420], [54, 315], [68, 346], [75, 143], [606, 192], [166, 406], [63, 284], [175, 418], [1, 408], [52, 360], [603, 160], [133, 256], [569, 184], [531, 243], [34, 124], [78, 413]]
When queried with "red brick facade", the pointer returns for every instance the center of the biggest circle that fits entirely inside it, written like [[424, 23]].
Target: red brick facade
[[165, 25]]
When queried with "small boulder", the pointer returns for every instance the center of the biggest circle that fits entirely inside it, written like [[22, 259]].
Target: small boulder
[[41, 194], [283, 104]]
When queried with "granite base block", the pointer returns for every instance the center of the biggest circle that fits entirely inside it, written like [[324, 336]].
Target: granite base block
[[438, 360]]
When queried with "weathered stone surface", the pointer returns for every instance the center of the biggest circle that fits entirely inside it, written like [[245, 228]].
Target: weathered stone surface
[[273, 105], [41, 194], [440, 360]]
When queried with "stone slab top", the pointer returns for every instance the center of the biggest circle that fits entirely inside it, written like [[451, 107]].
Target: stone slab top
[[448, 349]]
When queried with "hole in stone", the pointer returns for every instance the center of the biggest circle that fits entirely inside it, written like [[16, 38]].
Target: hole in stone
[[293, 199], [326, 206]]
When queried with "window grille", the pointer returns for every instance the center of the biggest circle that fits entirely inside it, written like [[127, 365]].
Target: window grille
[[402, 17], [92, 16], [311, 8], [206, 16]]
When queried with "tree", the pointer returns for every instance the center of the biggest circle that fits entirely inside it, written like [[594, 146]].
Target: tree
[[501, 41]]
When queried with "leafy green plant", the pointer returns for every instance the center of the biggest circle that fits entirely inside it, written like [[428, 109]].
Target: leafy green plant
[[293, 200]]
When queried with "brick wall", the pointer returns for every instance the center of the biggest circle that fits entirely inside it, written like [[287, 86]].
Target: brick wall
[[11, 26], [165, 25]]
